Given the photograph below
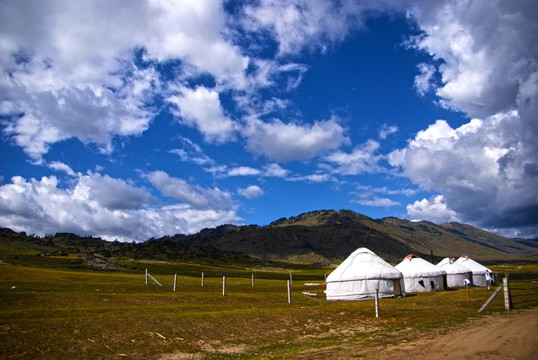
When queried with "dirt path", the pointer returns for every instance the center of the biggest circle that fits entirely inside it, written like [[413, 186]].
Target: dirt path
[[508, 335]]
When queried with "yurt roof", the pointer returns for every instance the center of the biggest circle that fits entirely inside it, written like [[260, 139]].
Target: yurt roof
[[413, 266], [472, 265], [363, 264], [452, 267]]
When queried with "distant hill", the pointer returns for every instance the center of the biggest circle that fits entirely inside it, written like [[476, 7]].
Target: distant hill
[[66, 249], [329, 236], [319, 237]]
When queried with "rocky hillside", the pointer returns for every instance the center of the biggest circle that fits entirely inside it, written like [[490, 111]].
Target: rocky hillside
[[320, 237], [329, 236]]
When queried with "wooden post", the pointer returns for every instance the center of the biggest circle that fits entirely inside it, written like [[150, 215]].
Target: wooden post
[[376, 303], [146, 276], [154, 280], [325, 275], [291, 279], [490, 299], [289, 292], [252, 279], [175, 281], [507, 299], [202, 279], [223, 285]]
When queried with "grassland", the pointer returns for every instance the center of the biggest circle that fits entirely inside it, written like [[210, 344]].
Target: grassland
[[70, 313]]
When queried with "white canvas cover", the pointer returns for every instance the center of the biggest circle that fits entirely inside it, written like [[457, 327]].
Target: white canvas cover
[[478, 270], [421, 275], [455, 273], [359, 276]]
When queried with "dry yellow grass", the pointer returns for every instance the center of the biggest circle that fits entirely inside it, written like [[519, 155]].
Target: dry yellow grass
[[58, 313]]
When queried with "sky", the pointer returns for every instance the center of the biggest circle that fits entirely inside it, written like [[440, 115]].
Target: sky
[[135, 119]]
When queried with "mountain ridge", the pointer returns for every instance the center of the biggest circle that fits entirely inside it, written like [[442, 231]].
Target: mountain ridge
[[320, 237], [332, 235]]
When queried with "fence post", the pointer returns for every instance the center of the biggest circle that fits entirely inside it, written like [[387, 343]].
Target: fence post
[[146, 276], [175, 281], [507, 299], [289, 292], [490, 299], [252, 279], [291, 279], [376, 303], [202, 279], [223, 285]]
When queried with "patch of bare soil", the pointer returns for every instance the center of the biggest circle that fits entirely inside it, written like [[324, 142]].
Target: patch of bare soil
[[508, 336]]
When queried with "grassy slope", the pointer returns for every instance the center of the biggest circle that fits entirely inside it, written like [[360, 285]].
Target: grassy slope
[[65, 314]]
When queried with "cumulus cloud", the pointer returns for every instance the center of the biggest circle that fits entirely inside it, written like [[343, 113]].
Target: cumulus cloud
[[423, 81], [485, 169], [110, 193], [287, 142], [362, 159], [481, 175], [251, 192], [301, 24], [485, 59], [195, 195], [275, 170], [100, 206], [201, 108], [88, 83], [434, 210]]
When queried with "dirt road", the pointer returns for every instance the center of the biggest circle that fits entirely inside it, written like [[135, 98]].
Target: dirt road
[[508, 335]]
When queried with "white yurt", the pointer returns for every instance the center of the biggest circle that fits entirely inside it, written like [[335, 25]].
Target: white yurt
[[360, 275], [478, 270], [421, 275], [456, 273]]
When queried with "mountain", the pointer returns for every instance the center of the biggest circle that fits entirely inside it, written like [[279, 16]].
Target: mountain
[[327, 236], [66, 249], [319, 237]]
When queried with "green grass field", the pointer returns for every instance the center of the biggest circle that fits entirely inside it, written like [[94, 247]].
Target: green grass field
[[67, 314]]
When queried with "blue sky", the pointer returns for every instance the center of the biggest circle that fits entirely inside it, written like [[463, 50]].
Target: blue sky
[[138, 119]]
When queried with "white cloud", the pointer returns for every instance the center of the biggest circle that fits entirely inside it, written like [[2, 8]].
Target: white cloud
[[361, 159], [99, 206], [368, 199], [60, 166], [243, 171], [478, 168], [68, 68], [486, 170], [110, 193], [423, 81], [201, 108], [387, 130], [301, 24], [434, 210], [275, 170], [251, 192], [313, 178], [386, 191], [192, 152], [195, 195], [486, 59], [287, 142]]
